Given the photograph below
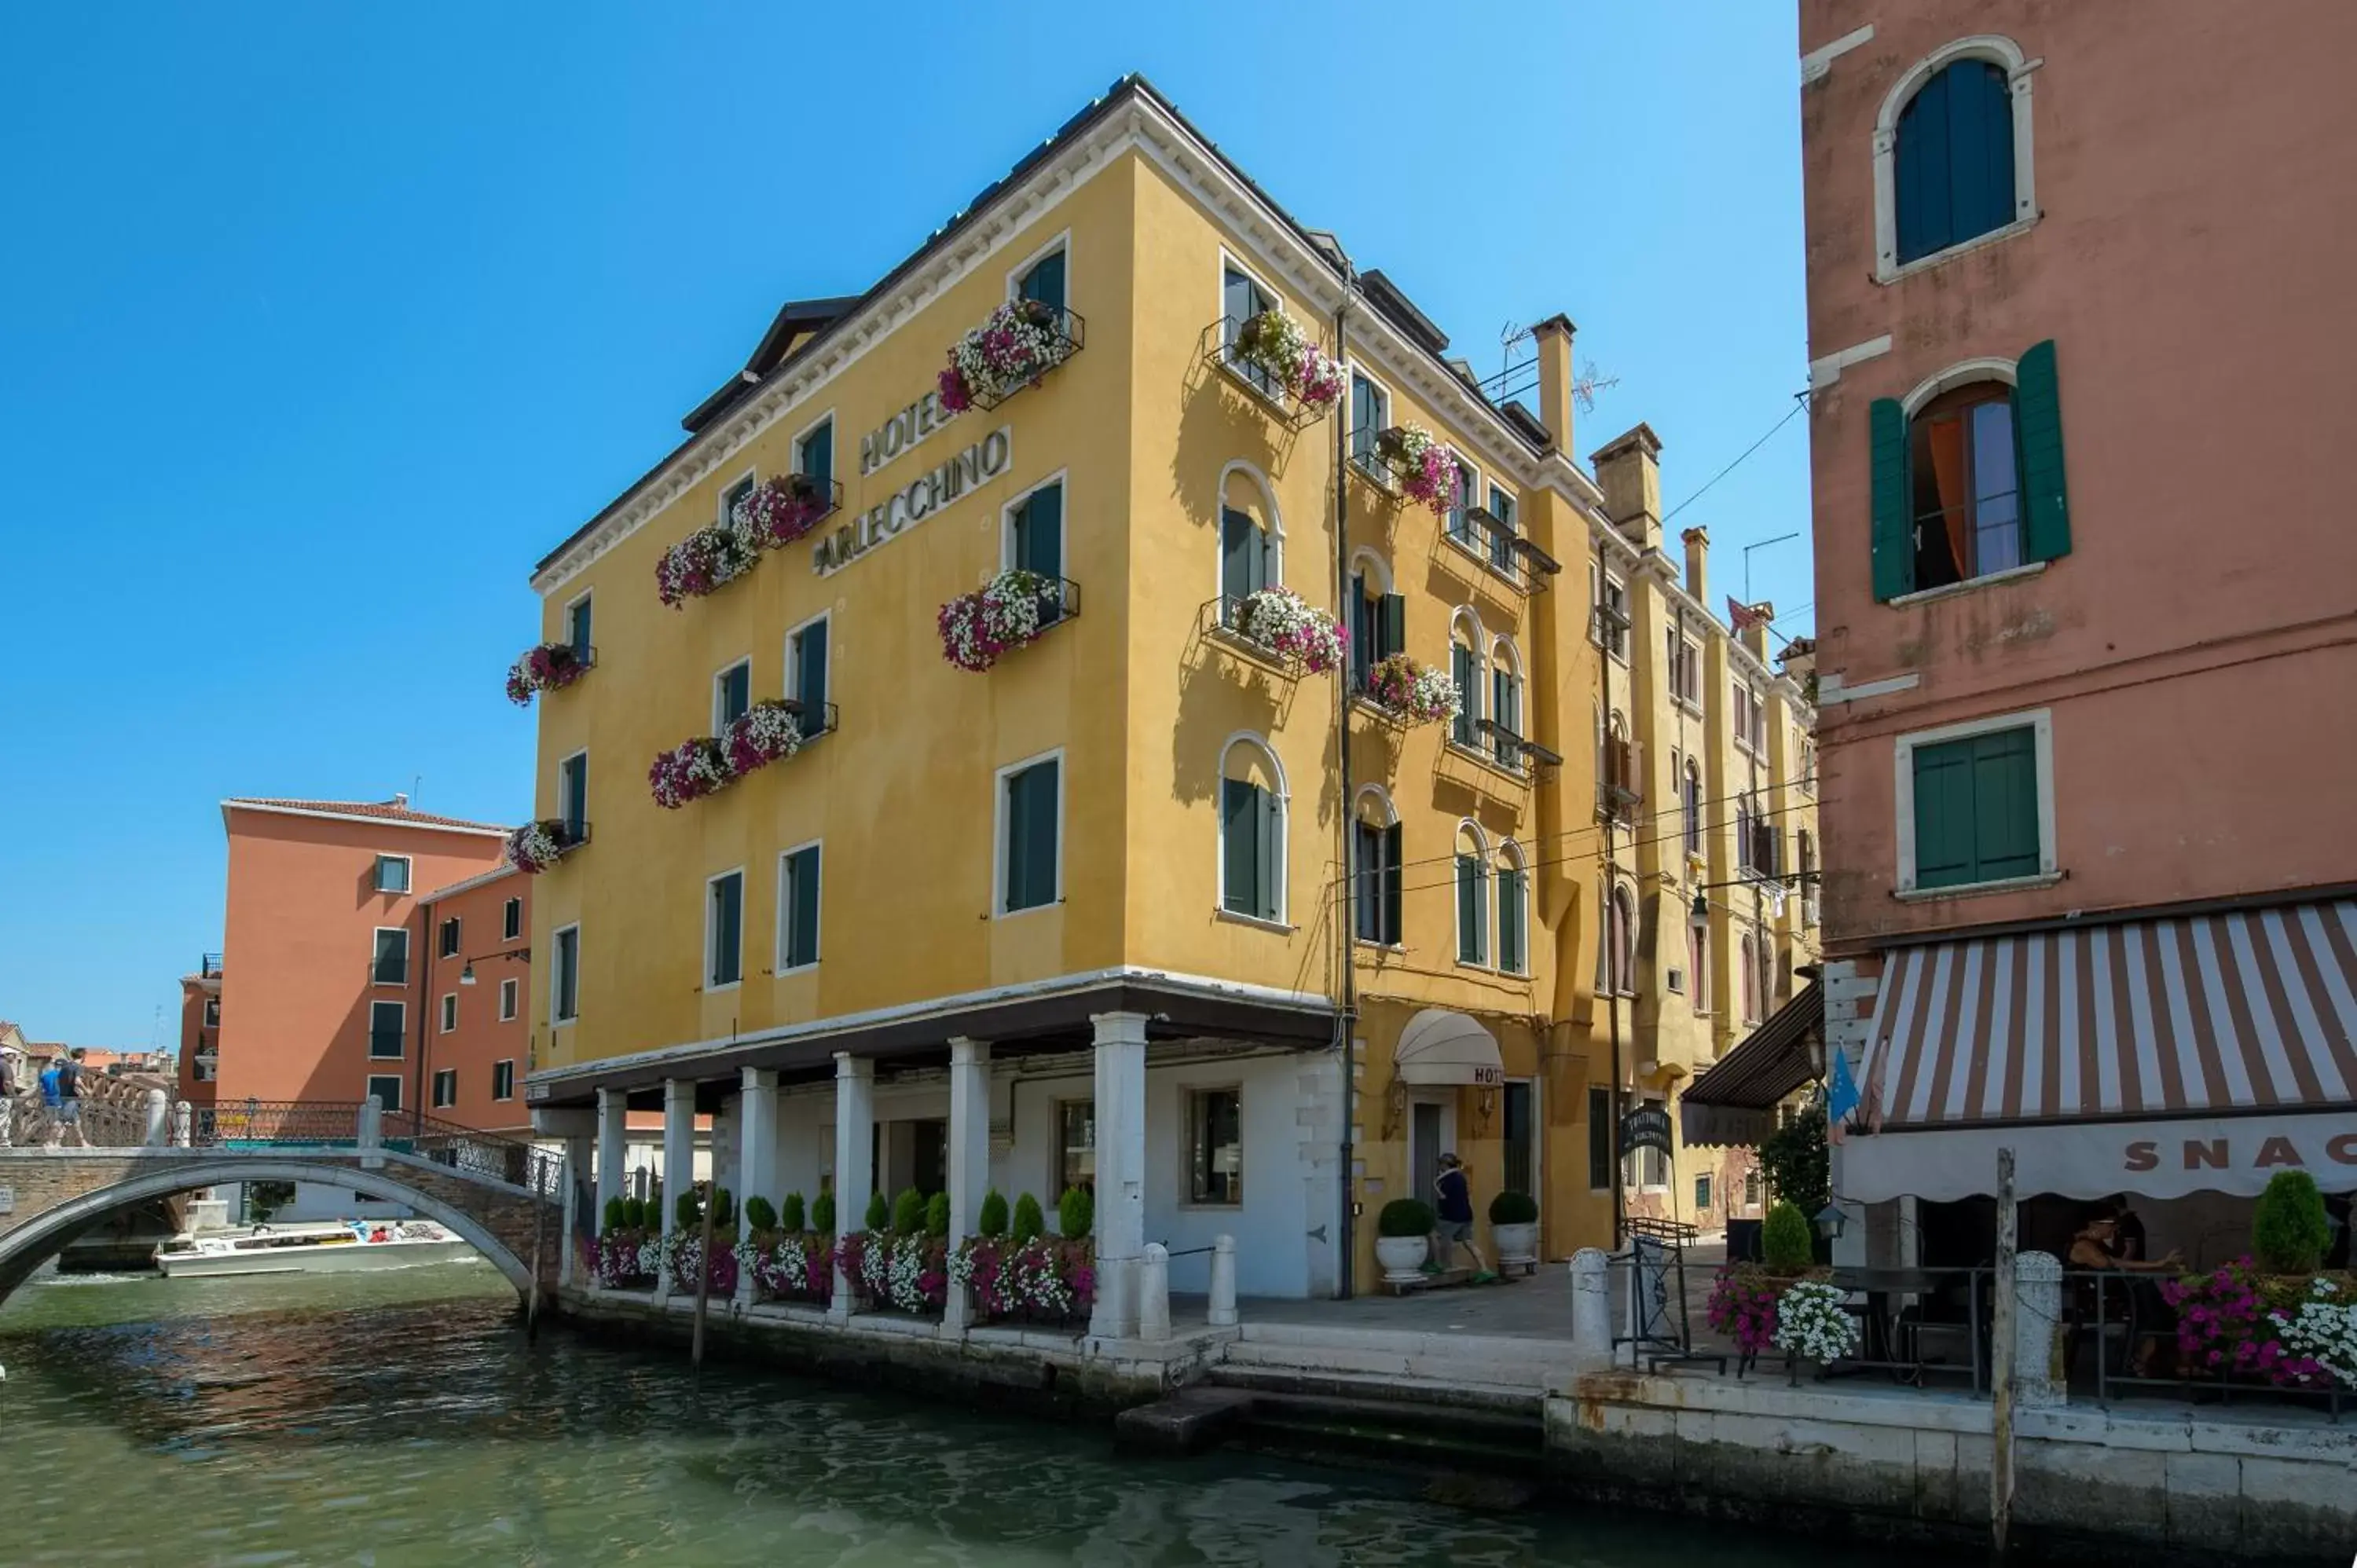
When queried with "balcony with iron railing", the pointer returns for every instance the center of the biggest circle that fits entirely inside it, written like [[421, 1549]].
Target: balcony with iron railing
[[209, 966]]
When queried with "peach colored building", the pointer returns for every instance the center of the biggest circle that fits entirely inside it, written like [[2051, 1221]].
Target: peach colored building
[[478, 1037], [2084, 703], [325, 989]]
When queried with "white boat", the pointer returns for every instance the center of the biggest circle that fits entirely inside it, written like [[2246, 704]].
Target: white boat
[[332, 1247]]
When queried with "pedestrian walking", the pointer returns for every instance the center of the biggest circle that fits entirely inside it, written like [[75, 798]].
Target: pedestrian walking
[[1455, 1210], [70, 1099], [7, 1100], [48, 1083]]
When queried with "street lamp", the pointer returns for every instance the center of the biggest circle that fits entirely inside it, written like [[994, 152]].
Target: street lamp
[[467, 975], [1830, 1220]]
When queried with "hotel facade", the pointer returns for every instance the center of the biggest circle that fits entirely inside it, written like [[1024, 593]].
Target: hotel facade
[[1105, 877]]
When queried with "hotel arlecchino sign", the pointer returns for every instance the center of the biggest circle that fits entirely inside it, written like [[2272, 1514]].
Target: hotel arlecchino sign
[[927, 494]]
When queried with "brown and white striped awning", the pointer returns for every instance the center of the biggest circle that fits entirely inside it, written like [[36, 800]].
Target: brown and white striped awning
[[2172, 1025]]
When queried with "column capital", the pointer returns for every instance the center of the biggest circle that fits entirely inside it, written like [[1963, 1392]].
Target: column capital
[[679, 1088], [849, 1066], [966, 1052], [757, 1078], [1120, 1028], [618, 1098]]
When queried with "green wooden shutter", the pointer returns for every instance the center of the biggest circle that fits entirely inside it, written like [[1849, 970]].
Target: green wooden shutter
[[1392, 883], [1045, 281], [1243, 555], [1460, 668], [1469, 909], [1040, 875], [810, 685], [1392, 638], [1510, 922], [2005, 804], [1016, 895], [2038, 432], [1919, 172], [1267, 853], [1894, 534], [1239, 844], [818, 456], [802, 904], [1943, 814]]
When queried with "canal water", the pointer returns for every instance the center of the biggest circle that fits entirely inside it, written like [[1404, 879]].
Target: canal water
[[399, 1418]]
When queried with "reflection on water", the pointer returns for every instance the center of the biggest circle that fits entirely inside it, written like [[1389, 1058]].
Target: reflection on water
[[400, 1418]]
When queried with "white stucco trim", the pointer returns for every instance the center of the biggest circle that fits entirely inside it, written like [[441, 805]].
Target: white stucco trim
[[1275, 521], [998, 781], [2019, 72], [1817, 62], [1963, 374], [1832, 693], [1824, 373], [2040, 721]]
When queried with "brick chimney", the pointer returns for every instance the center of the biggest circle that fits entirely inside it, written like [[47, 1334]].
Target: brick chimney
[[1697, 542], [1555, 334], [1755, 635], [1629, 472]]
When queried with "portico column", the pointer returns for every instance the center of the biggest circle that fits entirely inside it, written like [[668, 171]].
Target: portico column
[[576, 1167], [969, 1154], [854, 1135], [679, 1162], [613, 1147], [757, 1152], [1121, 1171]]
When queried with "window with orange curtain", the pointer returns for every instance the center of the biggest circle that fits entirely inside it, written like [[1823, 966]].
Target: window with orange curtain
[[1966, 485]]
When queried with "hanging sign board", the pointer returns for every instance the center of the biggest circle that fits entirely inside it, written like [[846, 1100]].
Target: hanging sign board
[[1646, 1127]]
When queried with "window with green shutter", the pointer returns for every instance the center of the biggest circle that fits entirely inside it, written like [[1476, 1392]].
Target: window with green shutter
[[1045, 281], [727, 926], [1512, 882], [1976, 809], [1471, 897], [1243, 560], [798, 885], [1953, 166], [1249, 849], [1972, 484], [806, 656], [1039, 542], [1469, 707], [732, 695], [1030, 851], [814, 454]]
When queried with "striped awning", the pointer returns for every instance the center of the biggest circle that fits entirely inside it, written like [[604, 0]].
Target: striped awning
[[1734, 1102], [2172, 1022]]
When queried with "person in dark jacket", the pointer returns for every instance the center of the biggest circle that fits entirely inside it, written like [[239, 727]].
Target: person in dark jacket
[[1455, 1210]]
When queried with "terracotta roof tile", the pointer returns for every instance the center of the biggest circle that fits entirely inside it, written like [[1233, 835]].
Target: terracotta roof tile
[[384, 810]]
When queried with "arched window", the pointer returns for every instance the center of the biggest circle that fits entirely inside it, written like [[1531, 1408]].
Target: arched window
[[1378, 616], [1376, 864], [1465, 669], [1691, 801], [1617, 769], [1954, 179], [1750, 955], [1472, 895], [1620, 938], [1968, 475], [1252, 830], [1513, 910], [1506, 704], [1250, 539]]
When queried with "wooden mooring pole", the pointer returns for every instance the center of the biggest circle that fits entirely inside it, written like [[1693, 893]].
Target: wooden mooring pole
[[703, 1281], [539, 1230], [2004, 1329]]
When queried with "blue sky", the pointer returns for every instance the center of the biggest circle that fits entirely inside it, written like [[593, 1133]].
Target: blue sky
[[323, 322]]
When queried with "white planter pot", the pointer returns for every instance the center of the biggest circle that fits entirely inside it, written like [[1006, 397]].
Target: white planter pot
[[1517, 1244], [1402, 1258]]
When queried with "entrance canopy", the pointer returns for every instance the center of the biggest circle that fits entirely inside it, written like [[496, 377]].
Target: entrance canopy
[[1439, 1047], [2157, 1057], [1735, 1101]]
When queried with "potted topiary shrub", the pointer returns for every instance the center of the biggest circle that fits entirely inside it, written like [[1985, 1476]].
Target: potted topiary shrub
[[1029, 1221], [761, 1215], [1404, 1239], [909, 1212], [993, 1219], [2288, 1230], [822, 1213], [937, 1214], [1514, 1226], [879, 1213], [1787, 1244], [1076, 1212]]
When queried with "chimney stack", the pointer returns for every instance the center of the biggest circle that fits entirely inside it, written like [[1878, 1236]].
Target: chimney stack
[[1555, 334], [1755, 631], [1697, 542], [1629, 472]]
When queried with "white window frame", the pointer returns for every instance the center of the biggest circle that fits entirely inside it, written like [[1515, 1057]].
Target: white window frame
[[443, 1075], [778, 964], [449, 1019], [1387, 817], [1283, 922], [582, 756], [2021, 76], [587, 596], [505, 934], [1063, 241], [1275, 529], [1007, 520], [721, 674], [711, 987], [388, 1101], [1378, 473], [509, 1063], [998, 909], [1605, 580], [1511, 571], [508, 989], [1511, 663], [1484, 915], [408, 876], [1475, 702], [1189, 1096], [720, 497], [402, 931], [791, 658], [1508, 856], [794, 444], [556, 976], [1228, 259], [1478, 498], [2041, 722]]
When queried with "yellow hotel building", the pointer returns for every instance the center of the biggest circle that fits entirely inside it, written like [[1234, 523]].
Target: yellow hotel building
[[1147, 904]]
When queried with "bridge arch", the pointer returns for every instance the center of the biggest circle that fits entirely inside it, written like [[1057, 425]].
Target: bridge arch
[[29, 1245]]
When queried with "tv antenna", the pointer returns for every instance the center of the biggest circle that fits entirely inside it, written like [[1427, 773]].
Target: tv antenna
[[1517, 372]]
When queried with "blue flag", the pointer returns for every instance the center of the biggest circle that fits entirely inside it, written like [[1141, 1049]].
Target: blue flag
[[1844, 1096]]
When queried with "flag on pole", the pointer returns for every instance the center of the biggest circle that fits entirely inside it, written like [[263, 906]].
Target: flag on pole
[[1741, 619], [1843, 1098]]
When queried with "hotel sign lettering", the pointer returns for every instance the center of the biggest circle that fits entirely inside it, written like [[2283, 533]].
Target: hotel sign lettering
[[984, 460]]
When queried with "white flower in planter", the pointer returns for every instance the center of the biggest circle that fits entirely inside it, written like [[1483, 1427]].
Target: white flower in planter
[[1810, 1322]]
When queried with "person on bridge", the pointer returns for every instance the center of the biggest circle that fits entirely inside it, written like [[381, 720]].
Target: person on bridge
[[61, 1091], [7, 1099]]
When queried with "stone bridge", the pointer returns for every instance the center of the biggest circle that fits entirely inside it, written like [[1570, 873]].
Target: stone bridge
[[501, 1195]]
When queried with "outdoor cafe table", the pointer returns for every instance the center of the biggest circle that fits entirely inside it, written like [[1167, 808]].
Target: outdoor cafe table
[[1879, 1287]]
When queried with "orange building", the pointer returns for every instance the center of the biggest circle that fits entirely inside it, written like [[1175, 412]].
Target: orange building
[[332, 984]]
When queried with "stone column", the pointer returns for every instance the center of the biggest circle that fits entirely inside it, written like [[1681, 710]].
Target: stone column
[[369, 1130], [1154, 1292], [1223, 1312], [679, 1162], [757, 1154], [2036, 1323], [1591, 1309], [969, 1157], [1121, 1171], [568, 1242], [613, 1148], [854, 1125]]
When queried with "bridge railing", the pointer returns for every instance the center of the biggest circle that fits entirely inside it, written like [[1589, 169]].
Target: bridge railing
[[332, 1124], [510, 1160], [103, 1123]]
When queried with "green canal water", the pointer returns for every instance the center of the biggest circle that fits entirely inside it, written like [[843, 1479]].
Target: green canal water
[[400, 1418]]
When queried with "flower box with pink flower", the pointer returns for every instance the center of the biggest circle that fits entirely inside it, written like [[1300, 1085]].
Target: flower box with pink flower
[[551, 667], [1014, 347], [1280, 625], [1428, 468], [703, 563], [1408, 693], [537, 845], [1013, 608], [708, 763], [1272, 354], [783, 507]]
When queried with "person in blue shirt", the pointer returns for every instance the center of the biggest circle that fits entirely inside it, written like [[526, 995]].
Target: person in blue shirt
[[1455, 1210], [51, 1096]]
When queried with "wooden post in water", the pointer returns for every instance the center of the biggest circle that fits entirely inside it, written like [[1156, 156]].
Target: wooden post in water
[[702, 1280], [539, 1229], [2004, 1329]]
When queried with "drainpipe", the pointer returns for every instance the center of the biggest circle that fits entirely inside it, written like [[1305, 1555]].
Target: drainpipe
[[1346, 1012]]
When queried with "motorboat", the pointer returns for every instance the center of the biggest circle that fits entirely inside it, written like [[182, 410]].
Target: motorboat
[[328, 1247]]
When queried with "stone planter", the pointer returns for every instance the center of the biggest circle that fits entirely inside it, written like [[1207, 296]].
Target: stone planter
[[1402, 1258], [1518, 1246]]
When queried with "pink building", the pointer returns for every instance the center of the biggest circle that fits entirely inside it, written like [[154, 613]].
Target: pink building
[[2087, 598]]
